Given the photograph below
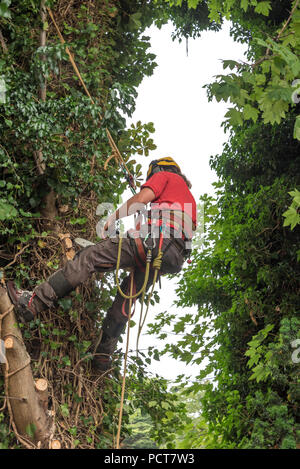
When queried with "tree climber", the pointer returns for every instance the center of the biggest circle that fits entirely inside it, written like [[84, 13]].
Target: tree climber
[[173, 212]]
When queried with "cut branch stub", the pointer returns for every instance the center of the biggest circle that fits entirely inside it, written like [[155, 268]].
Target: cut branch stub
[[41, 386], [9, 343], [55, 444], [67, 245]]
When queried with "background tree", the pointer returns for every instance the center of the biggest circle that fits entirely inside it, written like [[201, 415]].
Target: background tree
[[245, 281]]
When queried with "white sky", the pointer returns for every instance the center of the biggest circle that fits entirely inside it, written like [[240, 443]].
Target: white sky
[[188, 128]]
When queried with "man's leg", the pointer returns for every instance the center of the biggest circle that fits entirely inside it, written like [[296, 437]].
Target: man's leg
[[115, 321], [117, 316], [101, 257]]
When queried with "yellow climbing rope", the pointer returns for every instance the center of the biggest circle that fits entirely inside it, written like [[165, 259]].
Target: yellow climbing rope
[[146, 278], [125, 365], [156, 266]]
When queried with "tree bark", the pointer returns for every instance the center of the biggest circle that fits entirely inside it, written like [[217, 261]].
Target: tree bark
[[43, 37], [29, 419], [3, 43], [38, 155]]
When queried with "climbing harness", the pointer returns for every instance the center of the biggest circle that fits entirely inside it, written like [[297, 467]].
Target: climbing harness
[[147, 258], [156, 266]]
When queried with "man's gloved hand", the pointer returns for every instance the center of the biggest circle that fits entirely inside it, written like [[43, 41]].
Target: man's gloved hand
[[109, 229]]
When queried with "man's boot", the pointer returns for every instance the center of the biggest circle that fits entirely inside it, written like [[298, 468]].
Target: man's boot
[[27, 304], [111, 332]]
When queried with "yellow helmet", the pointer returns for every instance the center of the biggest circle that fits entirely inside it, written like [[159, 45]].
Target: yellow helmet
[[163, 164]]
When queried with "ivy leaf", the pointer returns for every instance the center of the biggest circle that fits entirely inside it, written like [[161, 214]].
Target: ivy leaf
[[64, 410], [165, 405], [152, 403], [4, 11], [134, 21], [296, 195], [7, 211], [292, 215], [30, 430]]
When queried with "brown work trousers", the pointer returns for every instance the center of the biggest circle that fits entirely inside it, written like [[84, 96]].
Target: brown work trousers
[[102, 257]]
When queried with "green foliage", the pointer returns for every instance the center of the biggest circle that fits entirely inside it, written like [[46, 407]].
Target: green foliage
[[4, 433], [152, 396], [292, 216], [4, 9], [263, 88], [67, 130], [193, 435], [257, 353], [139, 428], [244, 288], [245, 280]]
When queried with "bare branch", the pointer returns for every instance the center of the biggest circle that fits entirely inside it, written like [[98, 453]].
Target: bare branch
[[3, 43]]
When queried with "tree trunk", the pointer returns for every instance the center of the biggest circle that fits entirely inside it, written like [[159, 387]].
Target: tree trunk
[[43, 37], [27, 410], [3, 43], [38, 155]]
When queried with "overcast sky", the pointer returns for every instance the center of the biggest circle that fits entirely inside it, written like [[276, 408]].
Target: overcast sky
[[188, 128]]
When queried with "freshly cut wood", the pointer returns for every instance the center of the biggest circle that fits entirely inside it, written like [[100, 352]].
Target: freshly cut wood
[[63, 235], [41, 386], [30, 421], [55, 444], [63, 208], [9, 343], [70, 254], [67, 245]]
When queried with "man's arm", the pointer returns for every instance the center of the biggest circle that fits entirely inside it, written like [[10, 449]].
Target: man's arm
[[134, 204]]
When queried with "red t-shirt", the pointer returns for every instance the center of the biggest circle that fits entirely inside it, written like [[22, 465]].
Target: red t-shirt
[[172, 193]]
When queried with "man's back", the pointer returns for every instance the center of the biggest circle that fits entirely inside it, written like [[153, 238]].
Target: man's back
[[173, 195]]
